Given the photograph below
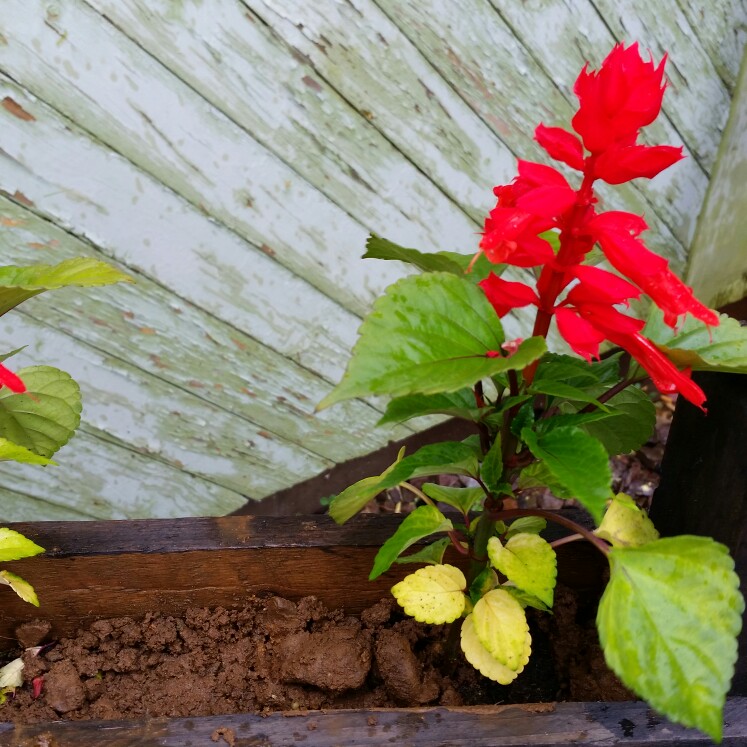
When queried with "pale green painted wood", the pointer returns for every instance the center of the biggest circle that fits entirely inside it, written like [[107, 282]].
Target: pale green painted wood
[[23, 507], [718, 261], [233, 155]]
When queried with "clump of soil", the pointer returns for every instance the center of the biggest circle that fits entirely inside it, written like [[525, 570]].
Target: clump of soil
[[271, 655]]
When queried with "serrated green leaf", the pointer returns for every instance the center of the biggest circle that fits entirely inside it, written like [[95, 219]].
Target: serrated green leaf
[[14, 453], [524, 598], [668, 623], [528, 561], [625, 524], [483, 583], [633, 426], [14, 546], [491, 469], [432, 554], [422, 522], [448, 457], [18, 284], [528, 524], [698, 346], [434, 594], [562, 390], [501, 625], [462, 499], [428, 334], [380, 248], [23, 588], [545, 425], [570, 370], [524, 418], [45, 417], [578, 462], [459, 404], [481, 267], [538, 475], [482, 660]]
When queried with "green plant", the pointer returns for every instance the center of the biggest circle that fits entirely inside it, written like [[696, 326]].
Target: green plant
[[670, 614], [40, 405]]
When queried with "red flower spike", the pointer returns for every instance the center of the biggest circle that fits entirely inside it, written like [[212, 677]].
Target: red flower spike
[[624, 95], [505, 295], [561, 145], [600, 286], [583, 338], [11, 380], [620, 164]]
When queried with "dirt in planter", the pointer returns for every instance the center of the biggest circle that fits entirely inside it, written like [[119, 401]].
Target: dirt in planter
[[276, 655]]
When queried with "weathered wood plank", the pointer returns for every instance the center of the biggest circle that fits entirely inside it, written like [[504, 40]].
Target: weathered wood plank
[[108, 481], [146, 227], [270, 91], [16, 506], [717, 268], [141, 411], [189, 145], [146, 326], [512, 93], [632, 724], [722, 30]]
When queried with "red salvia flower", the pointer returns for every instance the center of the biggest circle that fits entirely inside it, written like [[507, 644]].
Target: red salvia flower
[[505, 295], [624, 95], [621, 163], [561, 145], [11, 380]]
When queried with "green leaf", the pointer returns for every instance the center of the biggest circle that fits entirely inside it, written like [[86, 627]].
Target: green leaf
[[380, 248], [14, 453], [462, 499], [23, 588], [528, 561], [491, 470], [422, 522], [528, 524], [524, 598], [460, 404], [45, 417], [501, 625], [448, 457], [545, 425], [668, 622], [20, 283], [428, 334], [486, 580], [483, 661], [481, 267], [633, 426], [524, 418], [573, 371], [578, 462], [434, 594], [563, 391], [5, 356], [625, 524], [698, 346], [432, 554], [538, 475], [14, 546]]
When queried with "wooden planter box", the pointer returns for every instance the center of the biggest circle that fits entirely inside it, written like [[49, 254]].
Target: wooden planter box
[[104, 569]]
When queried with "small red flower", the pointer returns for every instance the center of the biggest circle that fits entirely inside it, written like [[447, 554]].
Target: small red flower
[[511, 236], [561, 145], [543, 190], [505, 295], [11, 380], [621, 163], [624, 95]]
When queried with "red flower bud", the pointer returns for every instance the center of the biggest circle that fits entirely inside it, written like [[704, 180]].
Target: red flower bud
[[505, 295]]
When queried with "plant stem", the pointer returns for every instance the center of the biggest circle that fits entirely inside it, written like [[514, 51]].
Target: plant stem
[[566, 540], [485, 530], [419, 493], [511, 513]]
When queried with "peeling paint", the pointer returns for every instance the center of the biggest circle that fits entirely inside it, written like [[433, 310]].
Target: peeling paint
[[17, 110]]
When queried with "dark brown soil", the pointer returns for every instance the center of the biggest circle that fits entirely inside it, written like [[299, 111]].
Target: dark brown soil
[[276, 655]]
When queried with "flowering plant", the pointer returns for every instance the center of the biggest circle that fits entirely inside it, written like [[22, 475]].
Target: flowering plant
[[40, 405], [670, 614]]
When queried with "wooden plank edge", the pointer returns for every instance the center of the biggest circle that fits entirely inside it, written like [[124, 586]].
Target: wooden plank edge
[[628, 723]]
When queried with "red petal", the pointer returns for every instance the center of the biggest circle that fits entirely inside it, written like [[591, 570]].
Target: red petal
[[541, 175], [600, 286], [583, 338], [617, 220], [9, 379], [547, 202], [609, 321], [505, 295], [621, 164], [561, 145]]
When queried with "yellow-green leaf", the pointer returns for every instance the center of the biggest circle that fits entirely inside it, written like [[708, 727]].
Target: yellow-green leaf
[[501, 625], [10, 452], [23, 588], [434, 594], [626, 525], [528, 561], [480, 658], [14, 546]]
